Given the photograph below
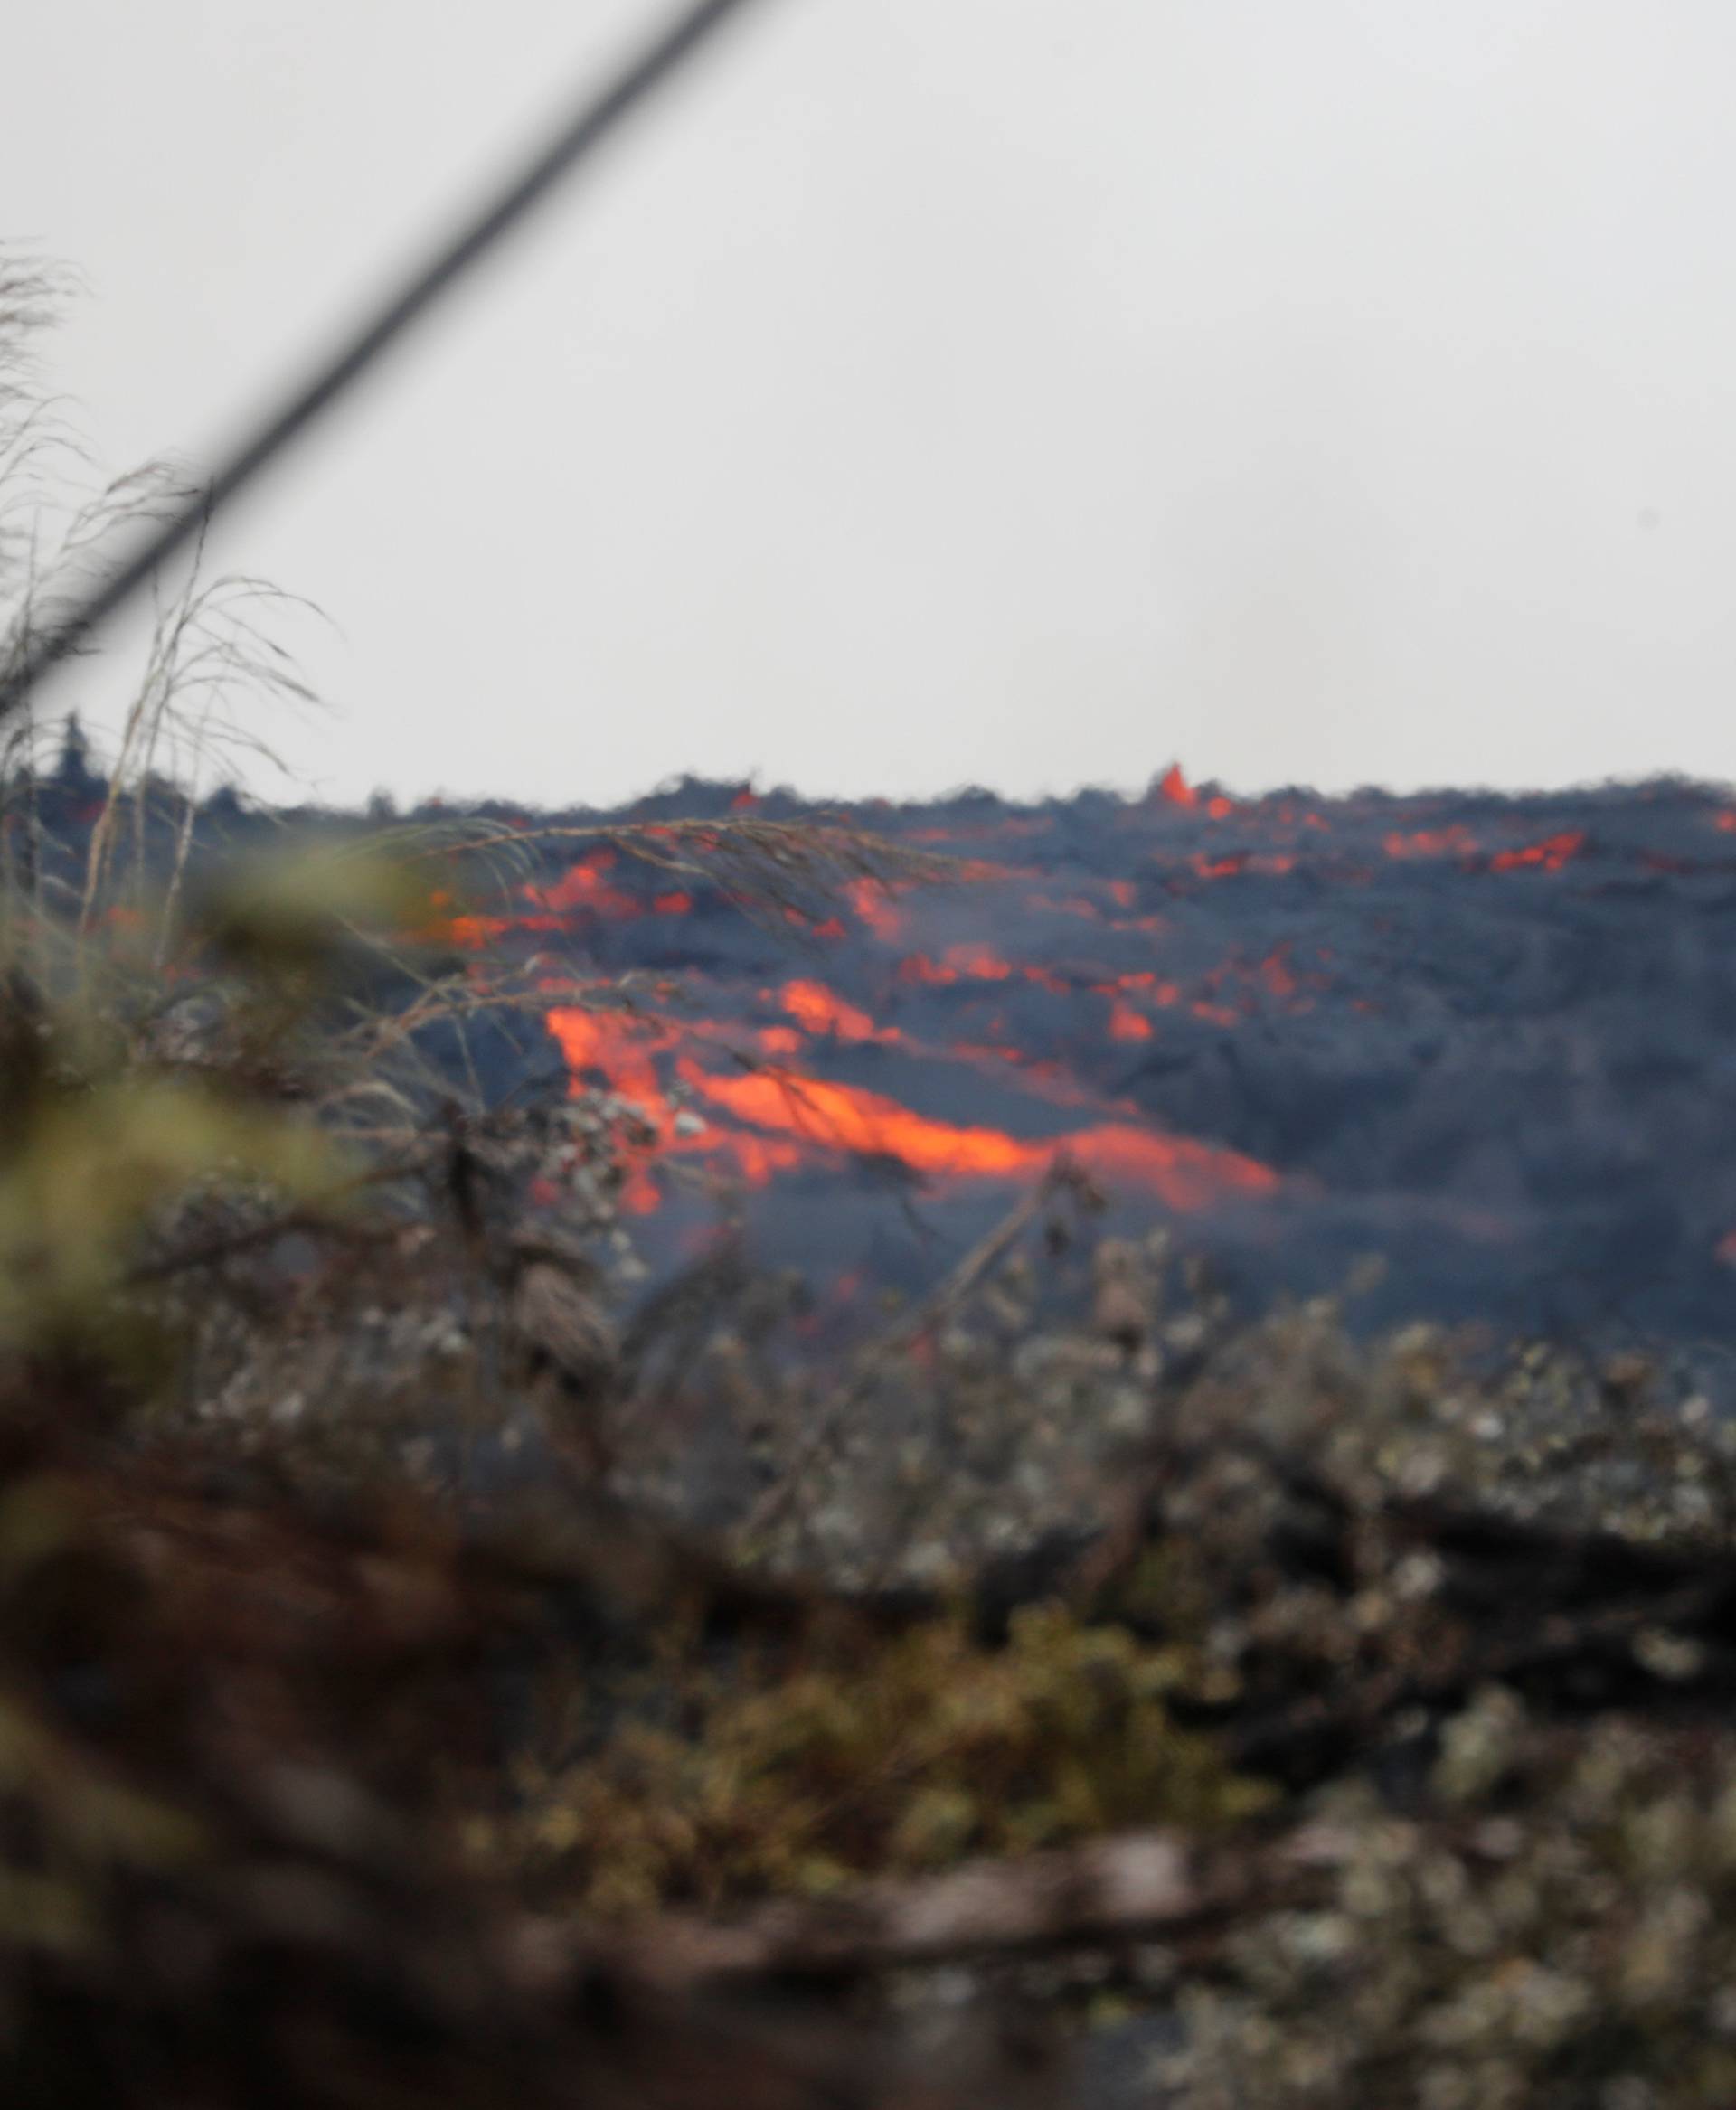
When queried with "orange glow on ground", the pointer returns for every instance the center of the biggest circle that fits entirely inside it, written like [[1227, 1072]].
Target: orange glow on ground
[[874, 905], [620, 1048], [1547, 856], [584, 886], [814, 1008], [957, 963], [772, 1121], [837, 1117], [840, 1116], [1449, 842], [1240, 861]]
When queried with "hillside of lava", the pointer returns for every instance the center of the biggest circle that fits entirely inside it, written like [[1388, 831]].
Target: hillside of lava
[[1489, 1039]]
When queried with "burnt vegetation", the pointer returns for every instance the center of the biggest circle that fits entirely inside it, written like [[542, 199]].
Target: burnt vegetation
[[444, 1660]]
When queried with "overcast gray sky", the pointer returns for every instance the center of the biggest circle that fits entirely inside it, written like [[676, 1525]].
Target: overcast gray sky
[[933, 392]]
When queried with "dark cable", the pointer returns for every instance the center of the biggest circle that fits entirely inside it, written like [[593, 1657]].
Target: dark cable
[[586, 130]]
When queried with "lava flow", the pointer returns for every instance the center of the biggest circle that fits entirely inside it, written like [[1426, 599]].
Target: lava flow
[[768, 1114], [1483, 1036]]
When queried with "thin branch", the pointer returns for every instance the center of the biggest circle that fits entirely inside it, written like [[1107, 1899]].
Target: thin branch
[[576, 141], [828, 1416], [1128, 1886]]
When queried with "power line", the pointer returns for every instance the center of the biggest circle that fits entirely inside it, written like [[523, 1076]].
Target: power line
[[599, 115]]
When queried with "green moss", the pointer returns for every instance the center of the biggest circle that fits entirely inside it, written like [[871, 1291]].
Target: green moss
[[908, 1757]]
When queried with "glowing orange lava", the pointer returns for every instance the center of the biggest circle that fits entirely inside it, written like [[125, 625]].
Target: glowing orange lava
[[958, 962], [874, 905], [772, 1120], [844, 1117], [1448, 842], [584, 887], [841, 1117], [1240, 861], [815, 1007], [1547, 856]]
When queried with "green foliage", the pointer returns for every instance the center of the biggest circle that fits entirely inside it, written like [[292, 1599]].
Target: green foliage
[[100, 1159], [903, 1757], [291, 915], [107, 1140]]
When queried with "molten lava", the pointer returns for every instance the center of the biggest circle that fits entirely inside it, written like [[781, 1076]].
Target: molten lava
[[815, 1007], [872, 901], [1307, 1005], [1548, 856], [586, 887]]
